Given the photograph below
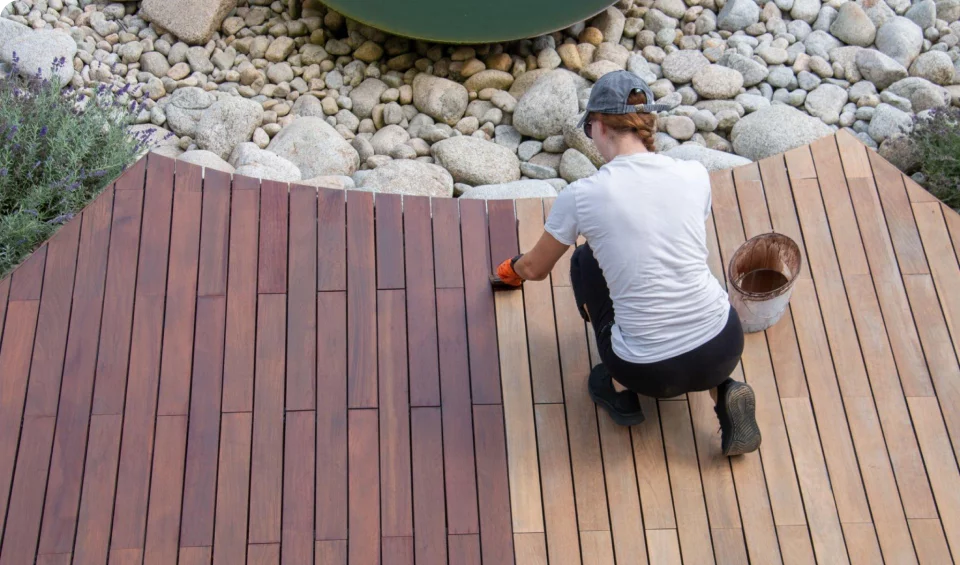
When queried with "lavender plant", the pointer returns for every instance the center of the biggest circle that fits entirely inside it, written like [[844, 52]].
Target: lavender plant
[[58, 150], [937, 137]]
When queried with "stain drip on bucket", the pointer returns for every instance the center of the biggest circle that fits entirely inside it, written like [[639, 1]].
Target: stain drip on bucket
[[761, 275], [762, 281]]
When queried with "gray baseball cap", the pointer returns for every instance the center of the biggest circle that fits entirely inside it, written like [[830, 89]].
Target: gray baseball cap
[[610, 94]]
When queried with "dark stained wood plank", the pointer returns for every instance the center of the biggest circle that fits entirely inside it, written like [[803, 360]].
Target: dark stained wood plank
[[361, 302], [503, 231], [117, 319], [783, 214], [836, 200], [481, 313], [560, 276], [195, 555], [389, 228], [653, 480], [331, 489], [266, 474], [899, 216], [263, 554], [155, 234], [496, 539], [298, 483], [559, 509], [458, 446], [22, 531], [332, 240], [126, 556], [46, 369], [331, 552], [215, 240], [241, 299], [55, 559], [364, 492], [429, 515], [302, 316], [4, 292], [624, 498], [397, 551], [180, 315], [200, 481], [272, 277], [132, 178], [66, 466], [464, 549], [26, 282], [421, 303], [396, 507], [233, 483], [163, 524], [930, 542], [446, 243], [96, 501]]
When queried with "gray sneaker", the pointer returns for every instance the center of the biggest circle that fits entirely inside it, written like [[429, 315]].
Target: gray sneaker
[[736, 409]]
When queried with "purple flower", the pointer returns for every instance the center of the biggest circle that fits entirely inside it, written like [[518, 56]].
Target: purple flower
[[43, 131], [12, 132], [31, 213], [62, 218], [73, 186], [3, 172]]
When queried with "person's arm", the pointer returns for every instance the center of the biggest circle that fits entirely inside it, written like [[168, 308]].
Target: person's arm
[[539, 262]]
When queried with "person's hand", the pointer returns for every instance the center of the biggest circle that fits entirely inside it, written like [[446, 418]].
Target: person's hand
[[508, 274]]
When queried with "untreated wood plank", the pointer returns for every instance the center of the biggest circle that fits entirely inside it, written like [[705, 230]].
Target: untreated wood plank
[[899, 216], [759, 530], [458, 446], [298, 483], [272, 277], [238, 361], [728, 545], [302, 316], [783, 214], [429, 515], [266, 472], [389, 224], [854, 152], [795, 545], [943, 263], [26, 282], [929, 540], [361, 302], [953, 226], [331, 240], [215, 239], [396, 506], [364, 494], [917, 193], [331, 489], [166, 494], [332, 552], [421, 303], [624, 498], [715, 473], [233, 495], [664, 547], [597, 548], [531, 549], [862, 543], [481, 313], [96, 501], [22, 531], [559, 509], [652, 477], [448, 262], [496, 539], [800, 164]]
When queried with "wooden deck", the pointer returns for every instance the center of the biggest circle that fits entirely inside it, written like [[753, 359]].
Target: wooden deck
[[206, 370]]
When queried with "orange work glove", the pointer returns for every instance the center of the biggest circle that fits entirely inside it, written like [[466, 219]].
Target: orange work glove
[[507, 274]]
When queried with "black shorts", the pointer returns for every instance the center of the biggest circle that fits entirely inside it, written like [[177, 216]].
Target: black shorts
[[700, 369]]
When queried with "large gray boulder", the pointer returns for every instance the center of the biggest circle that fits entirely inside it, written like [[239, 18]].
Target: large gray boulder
[[900, 39], [441, 99], [879, 69], [574, 166], [853, 26], [888, 121], [44, 51], [228, 123], [511, 191], [711, 159], [409, 177], [252, 161], [367, 95], [948, 10], [10, 30], [193, 21], [934, 66], [476, 162], [680, 66], [544, 108], [753, 72], [738, 14], [207, 160], [922, 94], [185, 108], [315, 148], [774, 130]]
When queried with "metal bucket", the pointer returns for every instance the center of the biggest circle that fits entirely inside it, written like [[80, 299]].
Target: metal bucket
[[761, 277]]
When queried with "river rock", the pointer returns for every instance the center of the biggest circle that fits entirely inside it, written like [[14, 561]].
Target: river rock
[[711, 159], [680, 66], [490, 78], [717, 82], [409, 177], [185, 108], [10, 30], [853, 26], [547, 105], [923, 13], [511, 191], [577, 139], [806, 10], [879, 69], [826, 102], [208, 160], [387, 138], [774, 130], [193, 21], [574, 166], [922, 94], [888, 121], [948, 10], [339, 182], [228, 123], [439, 98], [610, 22], [316, 148], [366, 96], [820, 43], [902, 152], [738, 14], [252, 161], [476, 162], [934, 66], [900, 39], [752, 71], [39, 51], [524, 82]]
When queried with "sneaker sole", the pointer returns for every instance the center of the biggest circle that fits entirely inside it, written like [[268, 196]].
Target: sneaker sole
[[617, 417], [741, 406]]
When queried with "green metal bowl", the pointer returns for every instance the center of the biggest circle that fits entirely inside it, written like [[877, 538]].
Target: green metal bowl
[[468, 21]]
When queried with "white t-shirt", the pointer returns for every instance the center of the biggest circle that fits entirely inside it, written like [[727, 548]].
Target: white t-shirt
[[644, 217]]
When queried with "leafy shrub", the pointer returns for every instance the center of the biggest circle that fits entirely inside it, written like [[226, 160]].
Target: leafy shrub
[[937, 137], [58, 150]]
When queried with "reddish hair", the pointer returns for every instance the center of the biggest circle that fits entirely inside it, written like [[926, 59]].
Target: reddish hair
[[642, 125]]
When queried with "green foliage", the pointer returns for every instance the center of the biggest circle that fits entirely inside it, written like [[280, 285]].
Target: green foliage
[[58, 150], [937, 137]]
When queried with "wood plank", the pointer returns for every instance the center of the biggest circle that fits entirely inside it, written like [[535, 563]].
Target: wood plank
[[531, 549], [70, 438], [726, 213], [751, 199], [446, 243], [953, 226], [560, 276], [203, 442], [389, 228], [298, 483], [899, 216], [559, 508], [302, 316], [917, 193], [496, 539], [941, 467], [795, 545], [728, 545], [822, 515], [652, 478], [46, 369], [22, 533], [263, 554], [26, 282], [785, 356], [163, 521], [943, 263], [397, 551], [361, 302], [597, 548], [799, 164], [421, 303], [458, 447], [624, 498], [331, 489], [839, 209], [364, 493], [55, 559], [331, 240], [195, 555], [464, 549], [862, 543], [215, 241], [715, 473], [429, 514], [133, 177], [538, 305], [585, 455], [692, 526], [4, 292], [664, 547], [854, 152], [96, 500], [126, 556], [266, 472], [929, 540], [783, 214], [481, 313], [272, 277], [759, 530], [522, 461], [331, 552], [155, 234], [503, 231], [396, 506], [241, 338], [233, 495]]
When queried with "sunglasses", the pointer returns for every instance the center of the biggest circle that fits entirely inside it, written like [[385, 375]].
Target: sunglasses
[[588, 129]]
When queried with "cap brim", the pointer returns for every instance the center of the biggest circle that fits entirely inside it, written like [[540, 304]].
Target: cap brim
[[583, 120]]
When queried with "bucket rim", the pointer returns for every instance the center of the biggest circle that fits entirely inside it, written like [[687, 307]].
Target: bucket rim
[[772, 293]]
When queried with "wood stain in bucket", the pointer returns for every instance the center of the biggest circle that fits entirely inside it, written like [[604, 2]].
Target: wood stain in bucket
[[762, 281]]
